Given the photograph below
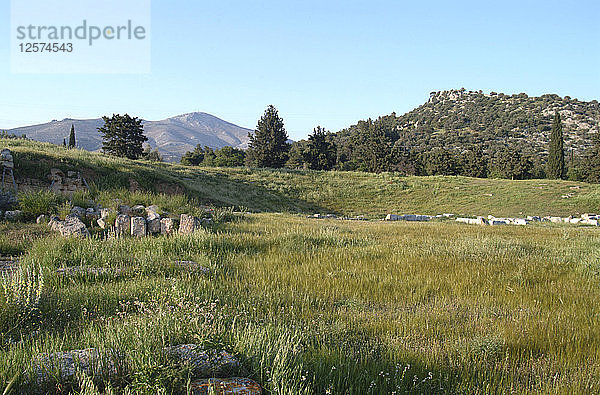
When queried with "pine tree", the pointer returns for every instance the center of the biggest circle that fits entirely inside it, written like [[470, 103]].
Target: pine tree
[[372, 146], [123, 136], [321, 150], [556, 153], [72, 137], [268, 146]]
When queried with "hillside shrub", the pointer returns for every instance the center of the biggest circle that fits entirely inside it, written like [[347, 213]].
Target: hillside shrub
[[33, 204]]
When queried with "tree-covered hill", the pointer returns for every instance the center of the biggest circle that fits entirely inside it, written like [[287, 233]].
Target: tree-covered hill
[[468, 123], [450, 117]]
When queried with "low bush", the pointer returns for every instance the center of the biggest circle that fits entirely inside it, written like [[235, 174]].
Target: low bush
[[33, 204]]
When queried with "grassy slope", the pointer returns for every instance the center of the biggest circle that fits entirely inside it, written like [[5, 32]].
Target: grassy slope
[[378, 194], [308, 191]]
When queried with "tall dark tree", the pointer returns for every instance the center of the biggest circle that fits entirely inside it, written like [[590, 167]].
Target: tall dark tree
[[440, 161], [229, 157], [193, 158], [150, 155], [268, 145], [588, 167], [123, 136], [473, 162], [404, 161], [372, 146], [508, 162], [321, 153], [297, 155], [72, 142], [556, 152]]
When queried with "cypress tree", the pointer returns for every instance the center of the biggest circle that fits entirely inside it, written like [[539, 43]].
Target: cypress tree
[[556, 154], [268, 146], [72, 137], [64, 143]]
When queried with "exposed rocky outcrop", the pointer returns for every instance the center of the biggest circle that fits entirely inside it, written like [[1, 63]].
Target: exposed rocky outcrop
[[205, 365]]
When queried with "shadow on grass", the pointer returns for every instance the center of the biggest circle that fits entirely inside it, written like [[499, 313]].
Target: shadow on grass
[[222, 190]]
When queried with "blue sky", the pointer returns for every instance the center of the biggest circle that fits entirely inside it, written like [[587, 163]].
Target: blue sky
[[326, 63]]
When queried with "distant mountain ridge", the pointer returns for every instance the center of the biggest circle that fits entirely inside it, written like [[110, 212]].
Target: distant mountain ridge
[[172, 136]]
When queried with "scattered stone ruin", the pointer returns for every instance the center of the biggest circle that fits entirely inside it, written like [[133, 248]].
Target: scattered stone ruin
[[68, 183], [584, 219], [137, 221]]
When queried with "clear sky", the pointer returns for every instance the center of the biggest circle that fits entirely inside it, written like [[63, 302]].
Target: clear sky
[[326, 63]]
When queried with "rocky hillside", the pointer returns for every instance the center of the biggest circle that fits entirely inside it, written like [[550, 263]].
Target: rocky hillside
[[458, 117], [172, 136]]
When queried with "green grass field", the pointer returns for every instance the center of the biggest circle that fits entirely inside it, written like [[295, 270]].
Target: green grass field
[[297, 191], [319, 306], [330, 306]]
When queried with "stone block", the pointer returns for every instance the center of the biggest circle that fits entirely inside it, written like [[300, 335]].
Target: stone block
[[188, 224], [138, 226], [167, 226], [122, 224], [153, 220]]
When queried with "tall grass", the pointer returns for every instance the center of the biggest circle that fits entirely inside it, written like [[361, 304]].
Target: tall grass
[[33, 204], [329, 307]]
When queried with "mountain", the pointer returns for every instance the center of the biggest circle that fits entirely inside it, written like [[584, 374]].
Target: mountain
[[172, 136]]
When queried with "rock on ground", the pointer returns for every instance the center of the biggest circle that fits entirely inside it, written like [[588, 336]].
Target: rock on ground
[[13, 215], [153, 220], [71, 226], [79, 212], [152, 209], [188, 224], [167, 226], [125, 209], [122, 224], [408, 217], [228, 386], [205, 363], [138, 209], [67, 363], [138, 226]]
